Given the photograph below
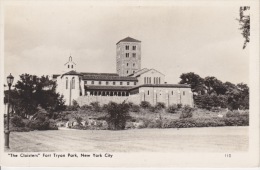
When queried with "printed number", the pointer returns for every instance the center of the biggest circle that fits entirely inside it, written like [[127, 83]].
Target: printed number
[[227, 155]]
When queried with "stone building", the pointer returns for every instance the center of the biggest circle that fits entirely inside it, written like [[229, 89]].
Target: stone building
[[130, 83]]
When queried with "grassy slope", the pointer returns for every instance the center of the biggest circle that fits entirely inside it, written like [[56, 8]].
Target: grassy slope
[[221, 139]]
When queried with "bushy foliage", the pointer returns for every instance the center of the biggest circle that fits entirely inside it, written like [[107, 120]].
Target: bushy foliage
[[17, 121], [31, 91], [211, 92], [232, 114], [145, 105], [179, 105], [86, 107], [172, 108], [41, 121], [78, 119], [117, 115], [134, 108], [160, 105], [96, 106], [186, 112]]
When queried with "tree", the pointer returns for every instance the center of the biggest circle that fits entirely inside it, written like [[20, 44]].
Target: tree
[[213, 85], [244, 21], [33, 91], [196, 82]]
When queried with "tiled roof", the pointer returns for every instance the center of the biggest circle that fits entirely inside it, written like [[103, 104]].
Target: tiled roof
[[164, 85], [128, 39], [54, 76], [118, 88], [99, 74], [108, 78]]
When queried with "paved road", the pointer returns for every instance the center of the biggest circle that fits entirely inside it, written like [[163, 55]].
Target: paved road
[[219, 139]]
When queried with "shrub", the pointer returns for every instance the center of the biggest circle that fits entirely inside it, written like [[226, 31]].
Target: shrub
[[179, 105], [38, 125], [186, 112], [71, 108], [215, 109], [75, 103], [117, 115], [160, 105], [134, 108], [104, 107], [78, 119], [172, 109], [96, 106], [17, 121], [86, 107], [232, 114], [145, 105], [153, 109]]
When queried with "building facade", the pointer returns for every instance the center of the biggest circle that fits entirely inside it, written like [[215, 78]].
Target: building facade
[[130, 83]]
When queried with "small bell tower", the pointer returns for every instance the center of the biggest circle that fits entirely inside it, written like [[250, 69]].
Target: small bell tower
[[70, 65]]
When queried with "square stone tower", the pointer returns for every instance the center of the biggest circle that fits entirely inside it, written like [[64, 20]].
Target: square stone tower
[[128, 56]]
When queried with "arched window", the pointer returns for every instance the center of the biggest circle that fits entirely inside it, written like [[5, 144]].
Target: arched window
[[127, 72], [148, 92], [68, 66], [172, 92], [133, 64], [144, 80], [154, 80], [67, 83], [71, 66], [159, 80], [73, 83], [126, 64]]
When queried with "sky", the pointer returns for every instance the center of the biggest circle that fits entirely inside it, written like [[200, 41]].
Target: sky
[[38, 39]]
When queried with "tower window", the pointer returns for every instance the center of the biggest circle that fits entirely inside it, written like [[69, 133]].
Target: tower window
[[114, 83], [71, 66], [134, 47], [134, 55], [144, 80], [159, 80], [68, 66], [99, 82], [127, 47], [127, 72], [121, 83], [133, 64], [106, 82], [92, 82], [183, 93], [148, 92], [126, 64], [126, 55], [172, 92], [134, 83], [128, 83]]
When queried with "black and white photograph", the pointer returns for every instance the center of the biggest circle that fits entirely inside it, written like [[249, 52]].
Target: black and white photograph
[[114, 83]]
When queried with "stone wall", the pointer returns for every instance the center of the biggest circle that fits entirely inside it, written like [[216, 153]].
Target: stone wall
[[82, 100]]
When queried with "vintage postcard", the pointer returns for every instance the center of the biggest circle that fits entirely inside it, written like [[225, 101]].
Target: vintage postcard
[[129, 83]]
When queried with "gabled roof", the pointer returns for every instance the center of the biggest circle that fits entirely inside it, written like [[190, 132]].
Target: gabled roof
[[142, 71], [128, 39], [72, 73]]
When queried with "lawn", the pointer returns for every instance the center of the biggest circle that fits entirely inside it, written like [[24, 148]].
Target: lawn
[[211, 139]]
